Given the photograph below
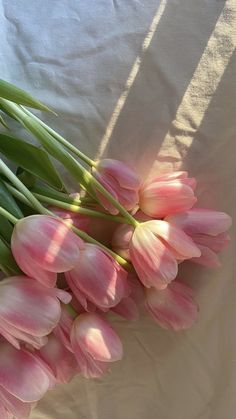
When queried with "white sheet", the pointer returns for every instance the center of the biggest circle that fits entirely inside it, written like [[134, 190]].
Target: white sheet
[[152, 83]]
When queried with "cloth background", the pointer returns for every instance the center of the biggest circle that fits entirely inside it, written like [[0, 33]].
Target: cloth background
[[152, 83]]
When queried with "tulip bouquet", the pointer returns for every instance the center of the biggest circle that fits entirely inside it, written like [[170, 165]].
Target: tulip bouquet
[[60, 283]]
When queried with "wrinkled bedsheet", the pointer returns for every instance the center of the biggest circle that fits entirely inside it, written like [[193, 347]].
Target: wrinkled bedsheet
[[152, 83]]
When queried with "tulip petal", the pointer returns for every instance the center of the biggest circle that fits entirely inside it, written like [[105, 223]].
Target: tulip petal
[[99, 277], [199, 220], [215, 243], [158, 199], [208, 258], [172, 308], [97, 338], [175, 238], [118, 170], [47, 241], [152, 261], [16, 407], [30, 382], [59, 359], [127, 309], [88, 366], [28, 306]]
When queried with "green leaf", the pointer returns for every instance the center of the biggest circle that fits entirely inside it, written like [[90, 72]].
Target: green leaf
[[14, 94], [3, 122], [31, 158], [8, 202], [6, 229], [7, 261]]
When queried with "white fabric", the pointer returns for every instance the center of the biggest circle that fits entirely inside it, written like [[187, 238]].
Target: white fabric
[[152, 83]]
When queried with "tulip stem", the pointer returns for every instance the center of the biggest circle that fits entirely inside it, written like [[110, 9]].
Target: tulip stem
[[83, 176], [62, 140], [8, 215], [4, 169]]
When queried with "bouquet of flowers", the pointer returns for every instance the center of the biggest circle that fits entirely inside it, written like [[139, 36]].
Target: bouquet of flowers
[[60, 283]]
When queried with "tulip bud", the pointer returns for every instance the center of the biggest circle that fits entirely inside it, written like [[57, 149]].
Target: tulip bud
[[167, 194]]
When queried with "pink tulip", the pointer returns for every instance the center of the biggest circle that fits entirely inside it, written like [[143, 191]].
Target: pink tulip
[[203, 221], [167, 194], [43, 246], [24, 379], [95, 344], [120, 180], [28, 310], [62, 362], [80, 221], [121, 240], [172, 308], [97, 278], [154, 250], [208, 230]]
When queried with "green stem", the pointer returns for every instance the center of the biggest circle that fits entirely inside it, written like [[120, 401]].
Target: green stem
[[8, 215], [62, 140], [82, 175], [20, 186]]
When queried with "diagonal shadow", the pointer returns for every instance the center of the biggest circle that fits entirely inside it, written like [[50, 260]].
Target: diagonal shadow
[[166, 69]]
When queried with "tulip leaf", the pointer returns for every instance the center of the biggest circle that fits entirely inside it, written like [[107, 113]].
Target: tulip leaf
[[2, 121], [31, 158], [15, 94], [7, 261], [6, 229], [8, 202]]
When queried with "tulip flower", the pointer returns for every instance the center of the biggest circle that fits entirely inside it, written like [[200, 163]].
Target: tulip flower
[[24, 379], [62, 362], [28, 310], [95, 344], [207, 229], [97, 278], [120, 180], [127, 309], [167, 194], [43, 246], [172, 308], [154, 250], [63, 329]]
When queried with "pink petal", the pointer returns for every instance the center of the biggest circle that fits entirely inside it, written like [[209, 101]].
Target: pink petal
[[201, 220], [27, 305], [59, 359], [172, 308], [176, 238], [215, 243], [97, 338], [21, 375], [127, 309], [125, 176], [16, 407], [152, 261], [47, 241], [89, 367], [99, 277], [158, 199], [208, 258]]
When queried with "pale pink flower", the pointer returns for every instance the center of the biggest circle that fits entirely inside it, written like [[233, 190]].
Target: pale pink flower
[[207, 229], [97, 278], [127, 308], [61, 361], [172, 308], [63, 328], [28, 310], [95, 344], [43, 246], [155, 248], [167, 194], [24, 379], [120, 180], [80, 221]]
